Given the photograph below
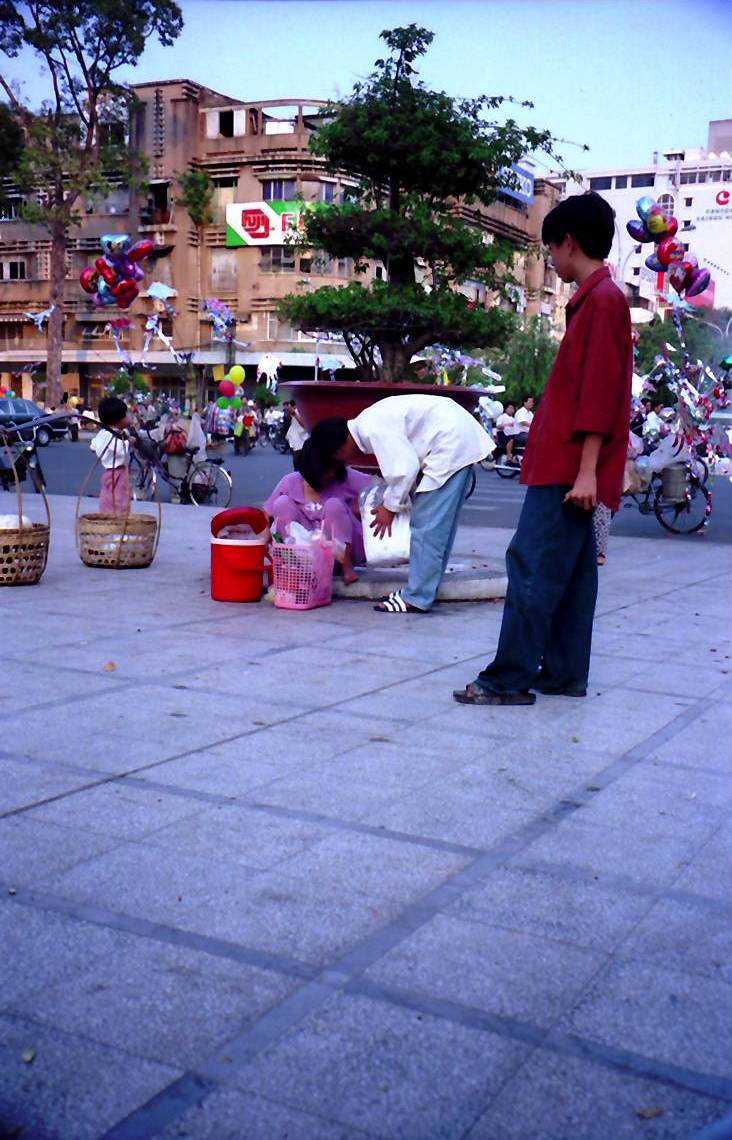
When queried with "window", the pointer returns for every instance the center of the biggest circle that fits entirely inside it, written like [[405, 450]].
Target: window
[[379, 273], [636, 271], [687, 177], [686, 246], [686, 224], [277, 259], [637, 180], [112, 134], [667, 204], [157, 210], [224, 195], [10, 331], [727, 175], [10, 208], [688, 201], [601, 183], [12, 271], [223, 270], [637, 249], [279, 189], [328, 191], [715, 176], [621, 181], [702, 176], [278, 329], [253, 121], [226, 124]]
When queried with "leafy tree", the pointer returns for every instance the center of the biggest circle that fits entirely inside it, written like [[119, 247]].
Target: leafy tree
[[74, 145], [415, 153], [708, 338], [11, 143], [527, 361], [196, 196]]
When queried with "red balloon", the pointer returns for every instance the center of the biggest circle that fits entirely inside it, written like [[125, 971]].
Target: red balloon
[[89, 279], [125, 293], [669, 250], [141, 249], [107, 272], [227, 388], [672, 226]]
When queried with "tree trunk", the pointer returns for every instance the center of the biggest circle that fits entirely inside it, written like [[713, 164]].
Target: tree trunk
[[54, 381], [394, 362]]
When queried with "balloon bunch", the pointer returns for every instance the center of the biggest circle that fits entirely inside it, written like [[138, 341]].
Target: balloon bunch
[[669, 256], [9, 392], [224, 322], [228, 386], [114, 277]]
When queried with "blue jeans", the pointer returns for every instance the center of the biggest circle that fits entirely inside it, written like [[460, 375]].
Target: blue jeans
[[550, 603], [435, 517]]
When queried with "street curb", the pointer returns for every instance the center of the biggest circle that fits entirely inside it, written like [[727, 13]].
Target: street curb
[[460, 584]]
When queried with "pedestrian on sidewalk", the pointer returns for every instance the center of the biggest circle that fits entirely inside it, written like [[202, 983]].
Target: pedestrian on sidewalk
[[112, 447], [575, 458], [426, 445]]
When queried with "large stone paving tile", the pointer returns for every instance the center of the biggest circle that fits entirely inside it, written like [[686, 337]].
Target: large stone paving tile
[[41, 949], [147, 882], [583, 911], [74, 1089], [32, 848], [560, 1098], [680, 1018], [507, 972], [120, 810], [240, 835], [228, 1114], [394, 1072], [165, 1003], [22, 783], [669, 936], [453, 815]]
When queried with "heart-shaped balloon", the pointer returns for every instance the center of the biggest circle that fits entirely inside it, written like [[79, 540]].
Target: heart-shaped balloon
[[141, 250], [638, 231], [678, 274], [700, 280], [672, 226], [643, 205], [125, 293], [656, 221], [115, 244], [104, 295], [669, 249], [654, 264], [89, 279], [106, 271]]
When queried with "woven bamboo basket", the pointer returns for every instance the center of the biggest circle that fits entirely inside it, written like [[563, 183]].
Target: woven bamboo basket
[[24, 550], [121, 541], [117, 541]]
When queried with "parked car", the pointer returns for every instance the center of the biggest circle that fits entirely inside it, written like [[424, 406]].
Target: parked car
[[20, 412]]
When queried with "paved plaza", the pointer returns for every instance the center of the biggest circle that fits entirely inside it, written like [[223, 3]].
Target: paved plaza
[[262, 879]]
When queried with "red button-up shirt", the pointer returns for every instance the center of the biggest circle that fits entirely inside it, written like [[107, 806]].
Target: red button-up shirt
[[588, 393]]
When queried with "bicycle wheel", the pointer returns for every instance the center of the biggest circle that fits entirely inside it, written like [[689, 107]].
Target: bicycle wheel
[[143, 480], [263, 439], [209, 484], [505, 469], [688, 516]]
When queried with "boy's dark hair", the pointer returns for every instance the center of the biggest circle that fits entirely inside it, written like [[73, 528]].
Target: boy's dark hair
[[329, 435], [528, 396], [318, 469], [112, 410], [588, 218]]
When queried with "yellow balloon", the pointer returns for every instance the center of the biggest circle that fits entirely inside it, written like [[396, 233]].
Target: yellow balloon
[[237, 374], [73, 400]]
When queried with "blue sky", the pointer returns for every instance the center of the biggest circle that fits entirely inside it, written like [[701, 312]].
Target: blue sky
[[626, 77]]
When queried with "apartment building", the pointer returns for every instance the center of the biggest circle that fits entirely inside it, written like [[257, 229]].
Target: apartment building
[[258, 158], [694, 184]]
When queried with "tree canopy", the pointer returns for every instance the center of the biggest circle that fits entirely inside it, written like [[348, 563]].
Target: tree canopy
[[417, 154]]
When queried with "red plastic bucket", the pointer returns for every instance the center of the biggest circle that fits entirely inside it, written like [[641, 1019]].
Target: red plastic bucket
[[238, 564]]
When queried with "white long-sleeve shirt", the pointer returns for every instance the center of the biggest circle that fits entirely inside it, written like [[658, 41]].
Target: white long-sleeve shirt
[[431, 436], [111, 449]]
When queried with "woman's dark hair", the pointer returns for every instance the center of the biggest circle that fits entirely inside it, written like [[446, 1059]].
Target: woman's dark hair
[[318, 469], [112, 410], [329, 435], [588, 218]]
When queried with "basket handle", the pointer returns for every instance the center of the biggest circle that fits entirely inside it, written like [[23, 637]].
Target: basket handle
[[18, 489]]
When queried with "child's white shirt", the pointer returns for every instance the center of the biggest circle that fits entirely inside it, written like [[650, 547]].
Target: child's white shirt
[[111, 449]]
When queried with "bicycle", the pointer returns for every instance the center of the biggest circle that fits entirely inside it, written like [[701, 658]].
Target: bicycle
[[681, 506], [19, 453], [206, 483]]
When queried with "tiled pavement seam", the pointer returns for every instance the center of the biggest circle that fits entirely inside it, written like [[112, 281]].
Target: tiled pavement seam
[[345, 972]]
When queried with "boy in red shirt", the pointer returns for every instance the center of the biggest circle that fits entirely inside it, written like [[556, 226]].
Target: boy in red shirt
[[575, 458]]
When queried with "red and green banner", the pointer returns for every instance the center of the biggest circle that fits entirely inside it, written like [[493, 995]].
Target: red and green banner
[[264, 223]]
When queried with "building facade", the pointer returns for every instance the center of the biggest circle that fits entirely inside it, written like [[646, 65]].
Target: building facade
[[258, 158], [692, 184]]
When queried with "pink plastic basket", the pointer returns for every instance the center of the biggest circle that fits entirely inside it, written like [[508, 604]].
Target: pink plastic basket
[[303, 574]]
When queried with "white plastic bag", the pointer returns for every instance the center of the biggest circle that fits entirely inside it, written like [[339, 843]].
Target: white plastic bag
[[392, 548]]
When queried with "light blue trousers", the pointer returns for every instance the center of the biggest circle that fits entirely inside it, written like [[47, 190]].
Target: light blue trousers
[[435, 517]]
